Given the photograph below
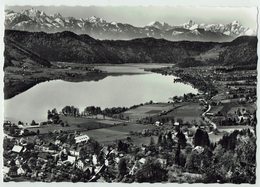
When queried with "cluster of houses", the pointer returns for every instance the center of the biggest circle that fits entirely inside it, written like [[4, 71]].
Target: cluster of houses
[[37, 159], [76, 157]]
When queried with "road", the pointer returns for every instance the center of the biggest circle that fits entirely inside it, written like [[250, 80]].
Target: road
[[205, 113]]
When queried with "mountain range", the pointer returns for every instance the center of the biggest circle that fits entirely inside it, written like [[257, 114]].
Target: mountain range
[[24, 48], [35, 20]]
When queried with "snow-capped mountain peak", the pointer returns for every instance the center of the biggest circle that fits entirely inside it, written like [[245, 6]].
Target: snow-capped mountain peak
[[94, 19], [188, 25], [113, 23], [57, 15], [33, 12], [235, 22], [159, 25], [194, 27], [153, 23], [37, 20], [250, 32]]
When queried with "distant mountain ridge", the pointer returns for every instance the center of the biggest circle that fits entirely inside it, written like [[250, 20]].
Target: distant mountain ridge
[[70, 47], [36, 20]]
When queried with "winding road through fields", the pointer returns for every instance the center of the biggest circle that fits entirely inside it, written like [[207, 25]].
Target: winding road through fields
[[205, 113]]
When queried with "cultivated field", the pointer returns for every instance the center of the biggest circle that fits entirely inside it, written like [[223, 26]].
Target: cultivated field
[[119, 132], [216, 109], [230, 108], [188, 112], [76, 124], [147, 110], [104, 131]]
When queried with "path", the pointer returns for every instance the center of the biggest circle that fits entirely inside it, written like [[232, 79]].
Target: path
[[205, 113]]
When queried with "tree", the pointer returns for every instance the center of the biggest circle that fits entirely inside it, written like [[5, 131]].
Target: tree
[[229, 141], [53, 146], [121, 146], [159, 139], [70, 110], [181, 139], [169, 139], [49, 115], [33, 123], [177, 155], [180, 121], [92, 110], [122, 169], [12, 130], [151, 171], [234, 159], [198, 162], [152, 143], [164, 141], [245, 171], [54, 111], [239, 112], [163, 120], [152, 147], [172, 120], [201, 138], [92, 147]]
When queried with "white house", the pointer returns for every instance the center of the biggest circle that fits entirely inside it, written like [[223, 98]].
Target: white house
[[158, 123], [82, 138], [199, 149], [142, 160], [17, 148], [57, 142], [71, 159], [94, 160], [74, 152], [20, 171]]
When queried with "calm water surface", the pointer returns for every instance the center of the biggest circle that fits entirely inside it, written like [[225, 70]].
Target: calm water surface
[[113, 91]]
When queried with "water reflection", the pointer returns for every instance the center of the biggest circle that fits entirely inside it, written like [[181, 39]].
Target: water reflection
[[113, 91]]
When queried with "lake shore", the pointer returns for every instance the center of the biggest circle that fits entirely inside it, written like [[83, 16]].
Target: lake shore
[[18, 80]]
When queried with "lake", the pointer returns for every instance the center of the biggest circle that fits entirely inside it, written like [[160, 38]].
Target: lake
[[112, 91]]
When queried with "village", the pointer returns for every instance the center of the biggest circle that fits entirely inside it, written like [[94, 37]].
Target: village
[[150, 142]]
